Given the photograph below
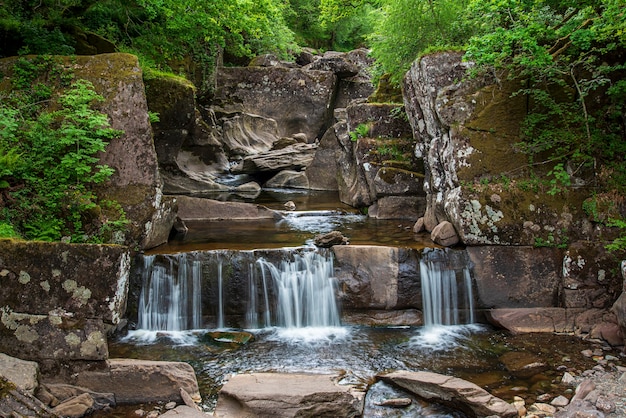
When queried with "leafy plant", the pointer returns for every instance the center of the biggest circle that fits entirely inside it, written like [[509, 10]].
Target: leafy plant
[[49, 162], [361, 131], [560, 179], [408, 28], [619, 243]]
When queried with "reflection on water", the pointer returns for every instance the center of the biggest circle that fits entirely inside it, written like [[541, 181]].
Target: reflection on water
[[316, 213], [359, 353]]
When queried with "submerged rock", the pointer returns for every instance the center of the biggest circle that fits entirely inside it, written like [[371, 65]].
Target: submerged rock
[[452, 391]]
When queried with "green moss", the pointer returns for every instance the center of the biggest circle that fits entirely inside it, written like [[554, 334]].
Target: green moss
[[6, 387]]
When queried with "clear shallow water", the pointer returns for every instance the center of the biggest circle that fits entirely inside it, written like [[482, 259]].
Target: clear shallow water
[[470, 352], [316, 213]]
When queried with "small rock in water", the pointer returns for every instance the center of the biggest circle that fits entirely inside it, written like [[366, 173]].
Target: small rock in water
[[330, 239], [290, 205], [559, 401], [140, 412], [153, 414], [396, 402], [170, 405]]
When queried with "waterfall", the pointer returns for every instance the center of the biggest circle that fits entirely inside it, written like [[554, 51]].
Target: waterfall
[[170, 298], [447, 296], [305, 291], [257, 289], [220, 293]]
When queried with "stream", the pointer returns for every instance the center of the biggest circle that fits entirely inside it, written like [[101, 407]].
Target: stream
[[289, 320]]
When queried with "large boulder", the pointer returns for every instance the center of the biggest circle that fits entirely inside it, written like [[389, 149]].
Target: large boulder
[[506, 277], [322, 172], [135, 184], [452, 391], [60, 300], [288, 395], [138, 381], [467, 130]]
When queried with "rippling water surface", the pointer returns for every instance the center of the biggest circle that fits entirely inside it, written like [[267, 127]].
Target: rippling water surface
[[471, 352]]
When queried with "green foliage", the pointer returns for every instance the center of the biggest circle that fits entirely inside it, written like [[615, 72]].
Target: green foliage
[[332, 24], [153, 117], [49, 155], [411, 27], [559, 181], [569, 55], [552, 242], [361, 131], [619, 243], [7, 231], [391, 152], [165, 33]]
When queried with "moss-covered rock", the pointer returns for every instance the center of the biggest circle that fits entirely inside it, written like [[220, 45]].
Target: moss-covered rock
[[468, 130], [118, 78]]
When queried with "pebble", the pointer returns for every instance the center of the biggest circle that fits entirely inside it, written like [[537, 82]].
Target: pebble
[[605, 404], [587, 353], [559, 401], [567, 378], [140, 412], [610, 358], [152, 414], [170, 405]]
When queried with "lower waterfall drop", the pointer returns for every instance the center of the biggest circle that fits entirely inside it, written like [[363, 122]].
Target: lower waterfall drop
[[447, 295], [305, 291]]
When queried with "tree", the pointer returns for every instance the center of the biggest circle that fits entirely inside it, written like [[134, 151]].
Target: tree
[[570, 54], [409, 28]]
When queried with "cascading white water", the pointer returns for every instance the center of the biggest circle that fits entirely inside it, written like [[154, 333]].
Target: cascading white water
[[305, 291], [447, 296], [220, 293], [296, 291], [170, 298]]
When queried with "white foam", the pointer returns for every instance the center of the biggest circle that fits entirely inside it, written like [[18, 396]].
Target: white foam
[[442, 337], [143, 336], [310, 334]]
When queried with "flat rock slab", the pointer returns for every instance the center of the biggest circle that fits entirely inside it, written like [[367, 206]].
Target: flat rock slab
[[523, 320], [288, 395], [452, 391], [196, 208], [140, 381]]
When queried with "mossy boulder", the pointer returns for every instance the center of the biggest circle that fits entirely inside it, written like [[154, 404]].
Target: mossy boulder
[[135, 184], [468, 130], [59, 300]]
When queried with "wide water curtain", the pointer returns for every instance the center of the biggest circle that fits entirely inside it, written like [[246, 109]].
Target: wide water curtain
[[305, 290], [447, 296]]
